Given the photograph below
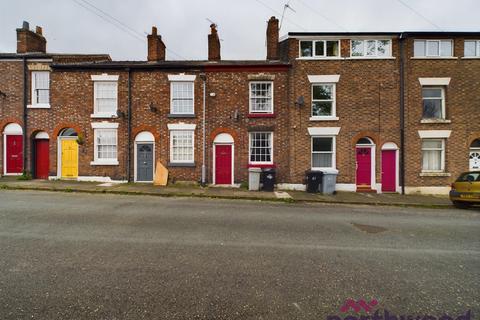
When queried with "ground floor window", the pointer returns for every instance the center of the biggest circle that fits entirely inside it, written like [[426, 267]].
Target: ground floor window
[[105, 145], [323, 152], [181, 146], [261, 145], [433, 154]]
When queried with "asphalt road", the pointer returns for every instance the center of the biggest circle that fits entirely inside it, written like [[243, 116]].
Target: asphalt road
[[79, 256]]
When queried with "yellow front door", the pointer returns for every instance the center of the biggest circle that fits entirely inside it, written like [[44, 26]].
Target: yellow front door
[[69, 159]]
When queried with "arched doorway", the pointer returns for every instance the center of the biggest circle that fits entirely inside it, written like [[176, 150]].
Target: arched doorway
[[67, 154], [223, 159], [144, 156], [474, 157], [365, 164], [41, 155], [389, 167], [12, 149]]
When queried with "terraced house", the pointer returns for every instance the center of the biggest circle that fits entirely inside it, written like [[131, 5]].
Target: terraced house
[[385, 112]]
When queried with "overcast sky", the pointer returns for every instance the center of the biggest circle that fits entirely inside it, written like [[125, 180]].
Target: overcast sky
[[72, 28]]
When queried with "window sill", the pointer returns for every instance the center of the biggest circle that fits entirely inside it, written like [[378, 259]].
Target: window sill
[[433, 58], [181, 164], [326, 170], [434, 174], [262, 165], [470, 58], [320, 58], [324, 118], [103, 116], [435, 121], [370, 58], [104, 163], [176, 115], [261, 115], [38, 106]]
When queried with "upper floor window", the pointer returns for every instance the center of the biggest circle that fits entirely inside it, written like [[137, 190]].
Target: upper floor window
[[371, 48], [433, 102], [261, 97], [41, 88], [105, 92], [323, 100], [320, 48], [182, 97], [433, 48], [472, 48]]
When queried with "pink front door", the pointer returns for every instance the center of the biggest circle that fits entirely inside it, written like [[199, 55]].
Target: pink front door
[[388, 170], [223, 164], [14, 154], [364, 166]]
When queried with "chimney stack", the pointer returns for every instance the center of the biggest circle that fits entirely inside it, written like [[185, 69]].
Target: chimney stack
[[272, 39], [213, 44], [156, 47], [29, 41]]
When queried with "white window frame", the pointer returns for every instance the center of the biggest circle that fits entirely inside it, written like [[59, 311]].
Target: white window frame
[[250, 149], [442, 156], [376, 56], [172, 83], [333, 115], [477, 48], [427, 53], [442, 88], [250, 110], [104, 78], [190, 131], [333, 152], [34, 104], [314, 51], [98, 127]]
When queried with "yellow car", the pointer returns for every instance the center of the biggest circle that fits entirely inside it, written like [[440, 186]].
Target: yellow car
[[466, 190]]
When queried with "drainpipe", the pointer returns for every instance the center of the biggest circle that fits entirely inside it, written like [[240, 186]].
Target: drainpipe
[[129, 123], [25, 117], [402, 112], [204, 169]]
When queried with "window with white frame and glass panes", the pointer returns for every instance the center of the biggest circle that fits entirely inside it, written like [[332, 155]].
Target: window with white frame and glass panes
[[261, 147], [323, 100], [106, 145], [319, 48], [261, 97], [182, 98], [472, 48], [433, 155], [433, 48], [105, 98], [40, 88], [181, 146], [323, 154], [433, 102], [371, 48]]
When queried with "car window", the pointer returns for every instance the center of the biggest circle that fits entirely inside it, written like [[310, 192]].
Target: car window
[[469, 177]]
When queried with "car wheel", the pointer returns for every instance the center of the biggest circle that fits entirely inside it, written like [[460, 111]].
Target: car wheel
[[461, 204]]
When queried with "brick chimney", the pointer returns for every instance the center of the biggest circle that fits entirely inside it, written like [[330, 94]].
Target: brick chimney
[[213, 44], [272, 39], [29, 41], [156, 47]]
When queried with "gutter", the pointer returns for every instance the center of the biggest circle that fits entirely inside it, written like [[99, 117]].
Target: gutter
[[204, 169], [129, 124], [25, 116], [402, 111]]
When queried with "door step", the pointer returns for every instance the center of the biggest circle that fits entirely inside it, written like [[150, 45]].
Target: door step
[[366, 190]]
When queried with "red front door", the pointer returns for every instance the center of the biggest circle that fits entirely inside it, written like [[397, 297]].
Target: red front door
[[364, 166], [223, 164], [388, 170], [14, 154], [41, 159]]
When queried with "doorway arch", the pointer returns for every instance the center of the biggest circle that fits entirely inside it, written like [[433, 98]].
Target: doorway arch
[[389, 165], [41, 155], [67, 154], [223, 159], [365, 164], [474, 155], [12, 149], [144, 157]]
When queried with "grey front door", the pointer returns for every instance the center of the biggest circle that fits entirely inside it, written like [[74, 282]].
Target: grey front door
[[144, 162]]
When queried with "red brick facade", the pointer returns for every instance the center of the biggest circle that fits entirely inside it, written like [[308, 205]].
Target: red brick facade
[[368, 103]]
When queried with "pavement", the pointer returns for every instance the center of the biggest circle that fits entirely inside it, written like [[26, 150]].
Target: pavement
[[105, 256], [190, 190]]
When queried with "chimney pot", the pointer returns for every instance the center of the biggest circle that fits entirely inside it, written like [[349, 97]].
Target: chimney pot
[[38, 30], [154, 30], [272, 39], [213, 44], [25, 25]]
